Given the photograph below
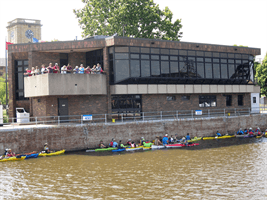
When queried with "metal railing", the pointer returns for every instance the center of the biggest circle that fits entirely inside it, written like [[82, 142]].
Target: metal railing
[[133, 117]]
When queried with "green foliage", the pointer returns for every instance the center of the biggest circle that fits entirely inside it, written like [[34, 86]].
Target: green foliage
[[3, 90], [138, 18], [261, 75]]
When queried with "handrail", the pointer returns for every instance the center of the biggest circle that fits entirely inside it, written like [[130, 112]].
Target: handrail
[[133, 117]]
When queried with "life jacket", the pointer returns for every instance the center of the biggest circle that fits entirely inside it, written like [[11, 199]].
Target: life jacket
[[129, 143], [250, 133], [111, 144], [188, 137], [133, 145]]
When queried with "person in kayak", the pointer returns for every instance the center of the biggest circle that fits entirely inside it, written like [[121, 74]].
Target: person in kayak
[[258, 130], [46, 148], [10, 153], [120, 145], [101, 145], [187, 137], [133, 145], [165, 140], [114, 144], [111, 143], [171, 140], [157, 141], [218, 134], [250, 132], [245, 131], [142, 140], [240, 132], [129, 142]]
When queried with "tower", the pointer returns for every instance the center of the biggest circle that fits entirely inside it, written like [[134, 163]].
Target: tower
[[23, 30]]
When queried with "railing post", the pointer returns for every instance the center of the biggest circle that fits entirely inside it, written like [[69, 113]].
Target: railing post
[[81, 120], [248, 111], [36, 121], [224, 112], [121, 117], [58, 120], [192, 114], [161, 115], [235, 111], [208, 112], [143, 116], [105, 118], [177, 114]]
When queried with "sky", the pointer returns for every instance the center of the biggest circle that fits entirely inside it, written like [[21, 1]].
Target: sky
[[225, 22]]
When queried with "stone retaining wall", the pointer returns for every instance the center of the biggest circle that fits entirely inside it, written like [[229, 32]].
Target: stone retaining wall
[[77, 137]]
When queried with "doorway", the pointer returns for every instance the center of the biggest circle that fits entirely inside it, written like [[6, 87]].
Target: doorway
[[63, 109]]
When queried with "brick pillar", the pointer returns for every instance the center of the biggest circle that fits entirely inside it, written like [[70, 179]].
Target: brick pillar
[[106, 64], [11, 86]]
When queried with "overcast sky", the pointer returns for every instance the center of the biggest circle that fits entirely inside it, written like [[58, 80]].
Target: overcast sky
[[226, 22]]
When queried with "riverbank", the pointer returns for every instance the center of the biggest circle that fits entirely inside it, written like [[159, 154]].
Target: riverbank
[[77, 137]]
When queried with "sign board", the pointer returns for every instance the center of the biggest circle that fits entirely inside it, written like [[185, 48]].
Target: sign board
[[87, 117], [198, 112]]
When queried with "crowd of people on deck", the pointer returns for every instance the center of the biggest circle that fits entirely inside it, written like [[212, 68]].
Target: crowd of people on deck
[[65, 69]]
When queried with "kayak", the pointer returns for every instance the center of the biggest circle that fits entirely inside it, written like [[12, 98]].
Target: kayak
[[13, 159], [218, 137], [106, 149], [242, 135], [118, 150], [195, 139], [259, 136], [134, 148], [52, 154], [174, 145], [157, 147], [35, 155], [146, 148], [191, 145], [90, 150]]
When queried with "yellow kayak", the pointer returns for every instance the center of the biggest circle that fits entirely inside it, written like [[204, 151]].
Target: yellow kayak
[[52, 154], [195, 139], [259, 136], [218, 137], [13, 159], [145, 148]]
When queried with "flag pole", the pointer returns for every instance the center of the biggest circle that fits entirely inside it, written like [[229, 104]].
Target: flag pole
[[6, 78]]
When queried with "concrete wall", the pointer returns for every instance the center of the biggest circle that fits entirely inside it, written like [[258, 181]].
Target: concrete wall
[[182, 89], [65, 84], [81, 137]]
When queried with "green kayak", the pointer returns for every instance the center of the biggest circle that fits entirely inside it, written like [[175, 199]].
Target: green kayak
[[147, 144], [106, 149]]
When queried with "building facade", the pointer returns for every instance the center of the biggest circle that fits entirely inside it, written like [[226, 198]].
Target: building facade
[[140, 75]]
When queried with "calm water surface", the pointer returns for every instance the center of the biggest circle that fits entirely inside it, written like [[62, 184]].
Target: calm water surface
[[232, 172]]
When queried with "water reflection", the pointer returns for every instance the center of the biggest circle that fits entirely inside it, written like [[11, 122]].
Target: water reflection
[[233, 172]]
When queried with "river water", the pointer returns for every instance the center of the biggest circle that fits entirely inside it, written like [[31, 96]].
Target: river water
[[203, 172]]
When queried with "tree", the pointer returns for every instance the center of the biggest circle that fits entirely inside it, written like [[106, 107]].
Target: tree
[[3, 90], [132, 18], [261, 75]]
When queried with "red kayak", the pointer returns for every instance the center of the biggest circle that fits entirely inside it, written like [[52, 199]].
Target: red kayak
[[181, 145]]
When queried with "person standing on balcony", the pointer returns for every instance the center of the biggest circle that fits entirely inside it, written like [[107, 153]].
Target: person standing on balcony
[[50, 68], [93, 70], [87, 70], [81, 69], [56, 69], [98, 68], [37, 71], [43, 69], [69, 69], [64, 69]]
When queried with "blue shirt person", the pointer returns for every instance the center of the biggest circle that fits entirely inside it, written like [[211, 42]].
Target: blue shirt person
[[165, 140], [218, 134], [240, 132], [115, 144], [187, 137]]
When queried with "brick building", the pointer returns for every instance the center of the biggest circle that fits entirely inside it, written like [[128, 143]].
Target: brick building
[[140, 75]]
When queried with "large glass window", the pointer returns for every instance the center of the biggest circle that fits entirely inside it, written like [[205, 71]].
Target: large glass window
[[207, 101], [20, 68], [126, 104], [240, 100], [178, 66], [228, 100]]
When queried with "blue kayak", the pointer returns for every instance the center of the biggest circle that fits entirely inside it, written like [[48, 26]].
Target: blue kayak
[[118, 150], [32, 156]]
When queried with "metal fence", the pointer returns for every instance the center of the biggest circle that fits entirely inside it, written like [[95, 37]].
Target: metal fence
[[134, 117]]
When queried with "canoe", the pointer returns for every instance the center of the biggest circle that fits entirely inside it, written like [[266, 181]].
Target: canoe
[[35, 155], [13, 159], [157, 147], [134, 149], [106, 149], [118, 150], [52, 154]]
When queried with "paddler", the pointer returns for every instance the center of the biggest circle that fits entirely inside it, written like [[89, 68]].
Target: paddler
[[165, 140], [133, 145], [157, 141], [46, 148], [111, 143], [10, 154], [129, 142], [120, 145], [115, 144], [218, 134], [142, 140], [187, 137], [250, 132], [101, 145], [240, 132]]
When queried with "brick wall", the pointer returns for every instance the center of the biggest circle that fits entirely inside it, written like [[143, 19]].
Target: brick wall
[[158, 102], [77, 58], [81, 137]]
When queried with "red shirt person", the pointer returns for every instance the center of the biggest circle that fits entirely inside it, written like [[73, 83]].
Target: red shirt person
[[56, 69]]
